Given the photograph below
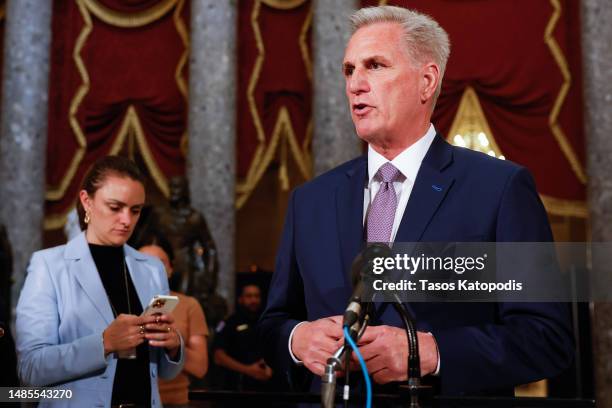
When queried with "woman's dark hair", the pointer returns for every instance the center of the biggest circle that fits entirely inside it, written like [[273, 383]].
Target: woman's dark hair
[[102, 168]]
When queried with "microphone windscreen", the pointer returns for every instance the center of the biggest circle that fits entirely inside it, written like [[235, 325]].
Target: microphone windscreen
[[363, 262]]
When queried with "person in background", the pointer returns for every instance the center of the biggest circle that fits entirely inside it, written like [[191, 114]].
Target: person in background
[[235, 346], [78, 321], [191, 323], [8, 373]]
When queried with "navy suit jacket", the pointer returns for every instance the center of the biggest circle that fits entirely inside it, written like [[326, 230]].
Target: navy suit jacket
[[482, 346]]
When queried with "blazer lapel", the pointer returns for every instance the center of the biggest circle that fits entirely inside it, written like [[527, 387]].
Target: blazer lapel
[[349, 210], [86, 273], [430, 188], [140, 275]]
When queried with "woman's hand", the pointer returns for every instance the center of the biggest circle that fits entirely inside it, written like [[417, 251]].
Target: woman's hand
[[161, 332], [124, 333]]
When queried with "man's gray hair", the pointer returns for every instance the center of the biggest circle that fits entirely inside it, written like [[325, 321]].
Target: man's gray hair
[[423, 35]]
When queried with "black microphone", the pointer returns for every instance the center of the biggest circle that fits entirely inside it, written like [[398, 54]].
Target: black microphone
[[361, 277]]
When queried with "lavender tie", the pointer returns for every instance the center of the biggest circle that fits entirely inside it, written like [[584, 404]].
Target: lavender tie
[[382, 211]]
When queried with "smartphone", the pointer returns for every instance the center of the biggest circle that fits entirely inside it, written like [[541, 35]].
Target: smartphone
[[162, 304]]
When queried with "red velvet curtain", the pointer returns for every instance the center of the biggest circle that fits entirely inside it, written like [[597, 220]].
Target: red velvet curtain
[[502, 49], [274, 69], [99, 69]]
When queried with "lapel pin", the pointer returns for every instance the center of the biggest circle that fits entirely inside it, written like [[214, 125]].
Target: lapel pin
[[436, 187]]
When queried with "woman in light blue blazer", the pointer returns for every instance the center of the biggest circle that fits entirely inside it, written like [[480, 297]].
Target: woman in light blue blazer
[[78, 313]]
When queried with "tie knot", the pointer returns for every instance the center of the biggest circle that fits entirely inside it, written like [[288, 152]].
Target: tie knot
[[388, 173]]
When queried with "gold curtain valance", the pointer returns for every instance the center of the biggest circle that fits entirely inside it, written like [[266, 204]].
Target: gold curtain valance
[[129, 20], [283, 4]]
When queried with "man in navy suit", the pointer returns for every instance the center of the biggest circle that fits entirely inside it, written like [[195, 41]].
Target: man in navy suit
[[393, 66]]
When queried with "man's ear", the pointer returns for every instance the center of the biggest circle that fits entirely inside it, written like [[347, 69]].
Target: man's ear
[[430, 77]]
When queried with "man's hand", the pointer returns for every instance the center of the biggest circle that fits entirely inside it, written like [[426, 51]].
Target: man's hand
[[314, 342], [124, 333], [259, 371], [385, 350]]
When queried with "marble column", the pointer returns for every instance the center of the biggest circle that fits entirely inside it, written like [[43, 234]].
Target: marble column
[[212, 127], [23, 130], [597, 65], [334, 140]]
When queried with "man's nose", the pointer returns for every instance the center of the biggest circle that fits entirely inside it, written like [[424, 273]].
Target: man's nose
[[358, 83]]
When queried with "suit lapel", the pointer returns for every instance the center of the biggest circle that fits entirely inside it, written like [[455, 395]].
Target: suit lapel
[[349, 211], [86, 273], [430, 188]]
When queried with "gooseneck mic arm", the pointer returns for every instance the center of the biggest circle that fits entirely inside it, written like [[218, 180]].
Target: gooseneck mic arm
[[414, 359]]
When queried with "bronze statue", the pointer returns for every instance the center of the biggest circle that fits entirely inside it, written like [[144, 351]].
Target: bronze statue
[[195, 254]]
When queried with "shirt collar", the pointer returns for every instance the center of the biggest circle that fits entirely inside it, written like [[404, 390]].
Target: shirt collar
[[407, 162]]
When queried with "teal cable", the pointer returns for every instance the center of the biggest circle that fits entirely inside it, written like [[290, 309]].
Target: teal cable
[[364, 369]]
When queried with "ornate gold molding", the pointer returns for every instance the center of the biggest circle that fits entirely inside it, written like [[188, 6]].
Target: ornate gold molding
[[304, 44], [534, 389], [283, 128], [283, 4], [56, 193], [129, 20], [132, 123], [181, 82], [555, 127], [471, 119], [259, 132], [184, 34], [308, 63], [56, 221], [558, 206]]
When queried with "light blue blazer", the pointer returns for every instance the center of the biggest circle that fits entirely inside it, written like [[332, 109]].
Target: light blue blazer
[[63, 310]]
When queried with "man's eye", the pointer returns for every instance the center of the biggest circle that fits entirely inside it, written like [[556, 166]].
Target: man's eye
[[348, 71], [375, 65]]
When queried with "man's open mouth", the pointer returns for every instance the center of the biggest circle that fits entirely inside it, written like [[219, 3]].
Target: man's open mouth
[[360, 108]]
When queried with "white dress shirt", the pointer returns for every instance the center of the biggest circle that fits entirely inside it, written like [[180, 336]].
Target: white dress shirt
[[408, 163]]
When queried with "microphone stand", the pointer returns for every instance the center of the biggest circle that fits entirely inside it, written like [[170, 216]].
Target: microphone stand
[[357, 312], [334, 363]]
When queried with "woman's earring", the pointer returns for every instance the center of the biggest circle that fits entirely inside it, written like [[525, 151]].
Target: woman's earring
[[87, 217]]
